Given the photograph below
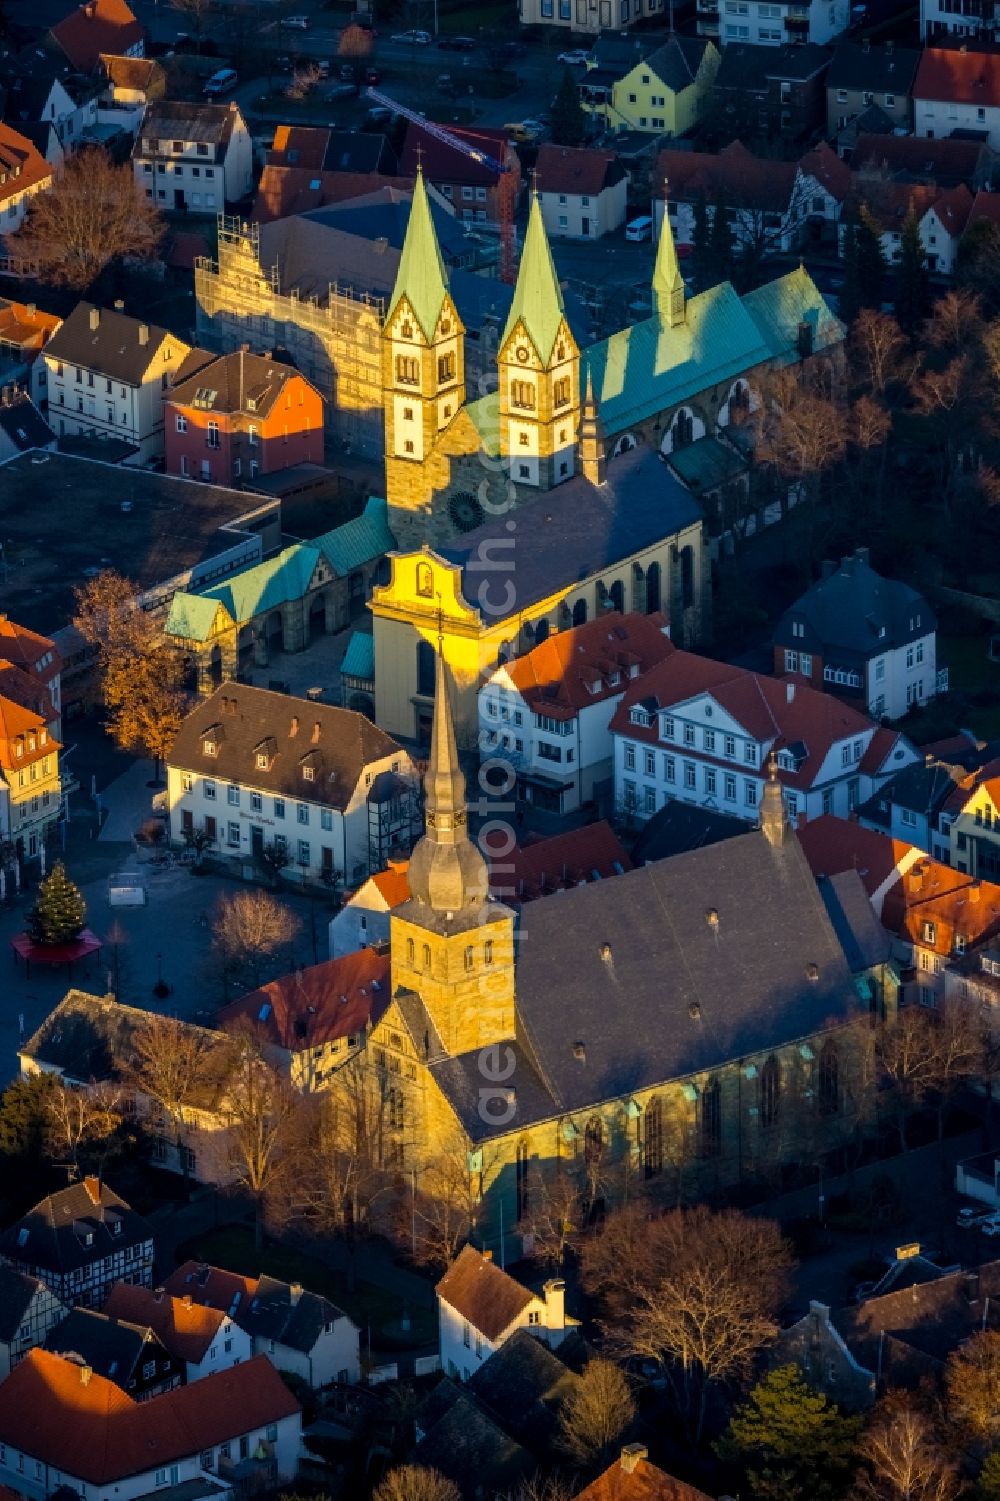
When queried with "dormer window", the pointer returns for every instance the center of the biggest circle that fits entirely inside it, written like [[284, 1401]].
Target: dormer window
[[309, 773], [262, 760], [638, 715], [116, 1227], [43, 737], [595, 687], [19, 748], [928, 932], [615, 679], [210, 747]]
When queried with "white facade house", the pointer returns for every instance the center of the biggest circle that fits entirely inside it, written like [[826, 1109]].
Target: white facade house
[[207, 1340], [255, 771], [548, 714], [196, 156], [702, 732], [480, 1307], [23, 172], [28, 1310], [582, 192], [107, 374], [957, 89], [772, 22], [90, 1434], [977, 20], [363, 920]]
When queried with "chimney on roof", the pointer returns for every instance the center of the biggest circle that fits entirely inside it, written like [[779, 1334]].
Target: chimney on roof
[[555, 1303], [158, 1295], [93, 1187], [789, 692], [119, 304], [95, 318], [486, 1255], [631, 1455], [294, 727], [85, 1374], [917, 876], [862, 554], [294, 1292], [315, 733], [31, 309], [143, 333], [187, 1300], [90, 9], [974, 892]]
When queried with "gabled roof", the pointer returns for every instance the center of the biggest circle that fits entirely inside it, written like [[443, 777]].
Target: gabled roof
[[922, 788], [26, 325], [635, 1478], [112, 1347], [591, 853], [21, 164], [170, 119], [958, 76], [944, 163], [211, 1286], [588, 663], [314, 1006], [826, 167], [97, 26], [358, 541], [421, 277], [142, 74], [852, 613], [676, 62], [338, 743], [577, 169], [116, 347], [885, 70], [84, 1425], [524, 1384], [443, 163], [288, 1314], [236, 383], [17, 1290], [932, 1318], [888, 204], [745, 179], [54, 1235], [481, 1293], [185, 1329], [678, 827], [297, 190], [754, 66], [953, 209], [538, 301]]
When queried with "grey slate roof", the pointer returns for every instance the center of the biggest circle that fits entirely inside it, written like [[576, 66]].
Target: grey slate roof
[[676, 63], [359, 151], [24, 424], [272, 1314], [16, 1292], [922, 789], [465, 1441], [846, 614], [865, 942], [53, 1234], [752, 66], [113, 348], [678, 827], [111, 1348], [579, 528], [886, 70], [523, 1385]]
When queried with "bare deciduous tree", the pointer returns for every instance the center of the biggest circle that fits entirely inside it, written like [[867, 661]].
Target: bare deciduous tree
[[170, 1064], [303, 81], [416, 1483], [903, 1459], [973, 1381], [448, 1193], [94, 213], [595, 1415], [250, 926], [697, 1291], [877, 347], [80, 1118], [261, 1109]]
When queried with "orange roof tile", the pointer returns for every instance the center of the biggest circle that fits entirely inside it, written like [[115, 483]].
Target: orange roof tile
[[16, 722], [569, 859], [482, 1293], [832, 845], [27, 648], [558, 677], [639, 1480], [210, 1286], [316, 1005], [97, 26], [393, 883], [23, 324], [958, 76], [185, 1328], [21, 163]]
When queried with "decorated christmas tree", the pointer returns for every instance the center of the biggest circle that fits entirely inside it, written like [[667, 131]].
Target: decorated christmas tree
[[60, 911]]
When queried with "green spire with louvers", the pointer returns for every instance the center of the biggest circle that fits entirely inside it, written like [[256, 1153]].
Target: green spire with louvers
[[538, 299], [421, 276], [668, 284]]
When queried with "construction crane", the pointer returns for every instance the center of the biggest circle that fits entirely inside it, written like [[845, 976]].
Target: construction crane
[[506, 178]]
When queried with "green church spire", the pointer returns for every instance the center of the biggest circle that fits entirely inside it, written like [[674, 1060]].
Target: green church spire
[[668, 284], [538, 301], [421, 276]]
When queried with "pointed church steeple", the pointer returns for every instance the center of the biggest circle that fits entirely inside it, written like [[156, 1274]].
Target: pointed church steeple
[[591, 438], [772, 806], [538, 299], [421, 276], [668, 283], [447, 872]]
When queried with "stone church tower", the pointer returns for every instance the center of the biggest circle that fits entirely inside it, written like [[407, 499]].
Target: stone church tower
[[450, 944]]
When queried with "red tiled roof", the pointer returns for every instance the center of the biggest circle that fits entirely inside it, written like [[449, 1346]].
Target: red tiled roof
[[889, 203], [958, 76], [393, 883], [86, 1426], [768, 709], [985, 206], [825, 165], [283, 191], [210, 1286], [940, 161], [25, 325], [30, 693], [95, 27], [316, 1005], [956, 905], [879, 750], [744, 178], [16, 722], [576, 169], [556, 677], [27, 648], [21, 163], [953, 209], [442, 163], [183, 1327], [641, 1481], [482, 1293], [832, 845], [309, 142], [565, 860]]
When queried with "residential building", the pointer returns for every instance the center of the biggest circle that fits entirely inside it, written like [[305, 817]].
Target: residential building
[[282, 604], [199, 1339], [764, 202], [38, 659], [710, 734], [866, 638], [861, 77], [233, 416], [823, 185], [910, 804], [582, 191], [318, 785], [28, 1310], [129, 1355], [943, 225], [312, 1022], [80, 1241], [634, 1477], [957, 88], [23, 173], [971, 819], [767, 89], [196, 156], [548, 714], [363, 920], [978, 19], [24, 332], [308, 166], [30, 778], [57, 1418], [664, 92], [48, 100], [589, 17], [107, 375], [887, 206], [22, 426], [299, 1331], [130, 84], [772, 21], [94, 27], [469, 181], [938, 164], [480, 1307]]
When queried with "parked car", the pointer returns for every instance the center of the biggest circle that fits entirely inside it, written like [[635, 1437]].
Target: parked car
[[519, 132], [296, 23], [990, 1225], [343, 91], [347, 72], [577, 58], [457, 43], [416, 38], [222, 82], [445, 84], [972, 1215], [639, 229], [372, 75]]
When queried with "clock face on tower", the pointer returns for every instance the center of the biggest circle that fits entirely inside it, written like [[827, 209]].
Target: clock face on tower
[[522, 354]]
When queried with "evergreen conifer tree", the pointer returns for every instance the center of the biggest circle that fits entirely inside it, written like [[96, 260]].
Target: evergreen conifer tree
[[569, 123], [60, 911], [849, 304], [702, 239], [911, 285], [791, 1440], [871, 262]]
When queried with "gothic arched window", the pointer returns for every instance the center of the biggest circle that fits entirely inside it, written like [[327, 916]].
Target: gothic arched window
[[710, 1119], [521, 1179], [770, 1092], [653, 1138], [593, 1140], [829, 1079]]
